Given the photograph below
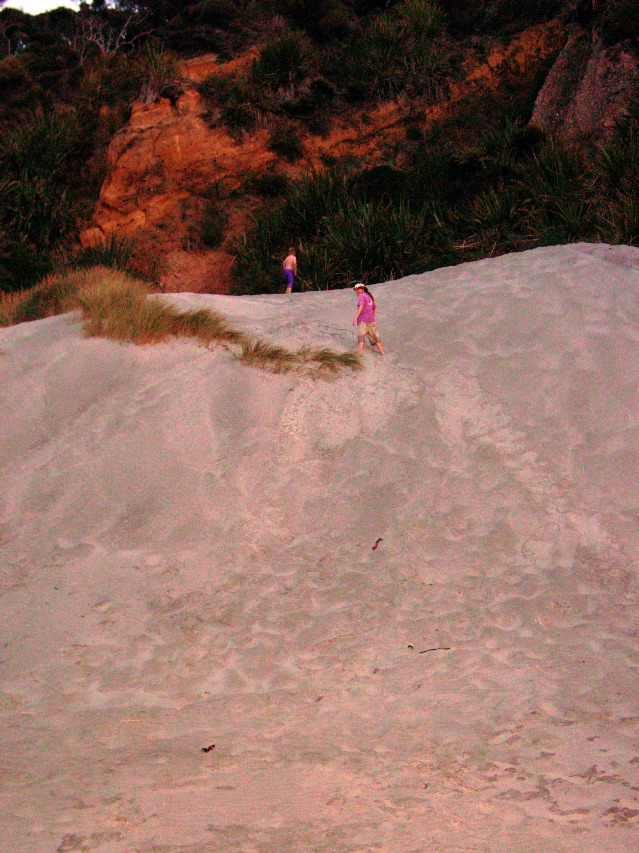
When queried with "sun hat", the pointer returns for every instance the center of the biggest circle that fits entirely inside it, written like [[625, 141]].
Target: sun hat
[[358, 285]]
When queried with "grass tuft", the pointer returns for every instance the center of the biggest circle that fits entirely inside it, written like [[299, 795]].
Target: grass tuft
[[118, 307], [8, 307], [115, 252], [259, 353], [55, 294], [321, 362]]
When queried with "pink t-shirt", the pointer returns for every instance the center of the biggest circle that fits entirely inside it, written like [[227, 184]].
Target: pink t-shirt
[[368, 313]]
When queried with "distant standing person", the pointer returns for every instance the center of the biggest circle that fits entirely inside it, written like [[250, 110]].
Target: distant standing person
[[289, 268], [366, 318]]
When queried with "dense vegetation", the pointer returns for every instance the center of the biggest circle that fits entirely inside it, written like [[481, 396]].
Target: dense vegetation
[[513, 190], [68, 79]]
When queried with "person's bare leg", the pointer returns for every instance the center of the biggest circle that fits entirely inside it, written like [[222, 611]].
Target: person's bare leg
[[360, 347], [380, 347]]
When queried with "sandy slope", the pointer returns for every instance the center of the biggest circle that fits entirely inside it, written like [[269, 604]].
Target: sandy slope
[[186, 550]]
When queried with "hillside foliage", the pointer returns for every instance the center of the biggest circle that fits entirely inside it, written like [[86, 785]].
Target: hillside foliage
[[68, 80], [513, 190]]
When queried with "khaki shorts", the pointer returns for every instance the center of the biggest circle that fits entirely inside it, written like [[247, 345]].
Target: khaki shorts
[[368, 330]]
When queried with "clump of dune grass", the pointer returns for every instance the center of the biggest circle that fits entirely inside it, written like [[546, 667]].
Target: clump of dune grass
[[316, 361], [259, 353], [8, 305], [117, 306], [326, 362], [53, 295]]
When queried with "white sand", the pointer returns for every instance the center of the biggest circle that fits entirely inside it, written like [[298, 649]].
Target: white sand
[[186, 550]]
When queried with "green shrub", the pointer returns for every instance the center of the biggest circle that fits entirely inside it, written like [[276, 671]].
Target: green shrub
[[399, 51], [159, 72], [617, 164], [324, 19], [20, 265], [294, 220], [218, 13], [619, 220], [559, 205], [374, 67], [553, 174], [55, 294], [379, 183], [318, 124], [40, 190], [114, 253], [229, 100], [285, 61], [285, 140], [376, 241], [322, 268], [270, 183], [496, 206], [39, 162], [212, 224], [218, 88], [18, 90], [342, 237]]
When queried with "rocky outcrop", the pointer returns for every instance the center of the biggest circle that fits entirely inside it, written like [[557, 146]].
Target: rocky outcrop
[[587, 90], [162, 169]]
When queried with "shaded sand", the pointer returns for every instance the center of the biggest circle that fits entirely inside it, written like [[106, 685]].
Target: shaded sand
[[187, 560]]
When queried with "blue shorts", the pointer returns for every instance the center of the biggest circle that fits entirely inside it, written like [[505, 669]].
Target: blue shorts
[[290, 279]]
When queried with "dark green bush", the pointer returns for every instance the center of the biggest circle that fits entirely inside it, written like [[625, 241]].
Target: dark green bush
[[159, 72], [323, 19], [379, 183], [341, 237], [285, 140], [219, 13], [229, 101], [376, 241], [285, 61], [18, 90], [398, 51], [294, 220], [318, 124], [39, 159], [212, 224], [20, 265], [270, 183], [115, 253]]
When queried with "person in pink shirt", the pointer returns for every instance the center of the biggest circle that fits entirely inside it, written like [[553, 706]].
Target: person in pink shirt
[[365, 319]]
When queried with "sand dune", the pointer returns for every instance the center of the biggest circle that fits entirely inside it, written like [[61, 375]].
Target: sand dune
[[187, 560]]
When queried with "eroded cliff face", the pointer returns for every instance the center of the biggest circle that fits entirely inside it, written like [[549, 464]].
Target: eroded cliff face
[[162, 167], [165, 164]]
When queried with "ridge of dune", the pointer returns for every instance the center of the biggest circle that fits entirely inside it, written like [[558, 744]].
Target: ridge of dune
[[187, 563]]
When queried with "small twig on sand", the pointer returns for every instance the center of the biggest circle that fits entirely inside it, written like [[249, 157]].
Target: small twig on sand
[[436, 649]]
